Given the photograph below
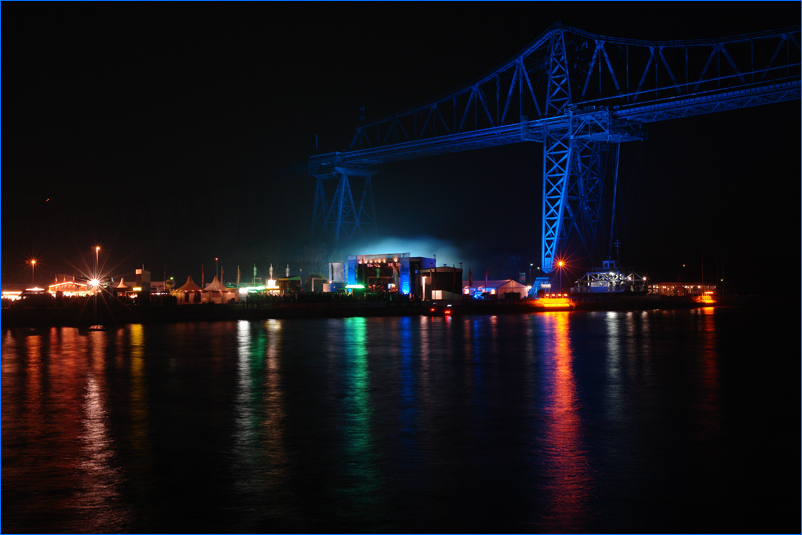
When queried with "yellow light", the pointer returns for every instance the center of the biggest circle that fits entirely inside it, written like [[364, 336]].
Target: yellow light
[[553, 302]]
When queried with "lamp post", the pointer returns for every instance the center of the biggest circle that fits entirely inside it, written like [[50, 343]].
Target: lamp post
[[33, 271], [561, 264], [216, 272], [532, 282], [97, 256]]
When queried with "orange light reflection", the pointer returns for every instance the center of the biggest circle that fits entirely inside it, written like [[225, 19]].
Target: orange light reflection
[[567, 470]]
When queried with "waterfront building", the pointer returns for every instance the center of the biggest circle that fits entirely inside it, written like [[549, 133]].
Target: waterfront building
[[444, 282], [69, 289], [682, 289], [395, 272]]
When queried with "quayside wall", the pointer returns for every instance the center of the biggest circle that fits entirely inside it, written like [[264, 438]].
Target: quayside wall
[[116, 313]]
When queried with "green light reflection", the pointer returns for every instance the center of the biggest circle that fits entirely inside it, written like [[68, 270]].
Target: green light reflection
[[363, 483]]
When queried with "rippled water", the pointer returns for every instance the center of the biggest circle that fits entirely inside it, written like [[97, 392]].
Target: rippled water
[[670, 421]]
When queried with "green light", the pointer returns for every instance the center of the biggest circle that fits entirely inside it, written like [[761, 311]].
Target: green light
[[355, 287]]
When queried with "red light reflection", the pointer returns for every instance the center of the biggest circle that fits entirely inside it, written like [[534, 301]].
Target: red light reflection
[[566, 467]]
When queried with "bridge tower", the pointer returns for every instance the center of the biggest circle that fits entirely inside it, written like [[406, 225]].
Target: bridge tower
[[573, 171], [341, 218]]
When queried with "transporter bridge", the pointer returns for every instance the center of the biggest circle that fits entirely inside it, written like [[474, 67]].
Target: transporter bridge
[[579, 94]]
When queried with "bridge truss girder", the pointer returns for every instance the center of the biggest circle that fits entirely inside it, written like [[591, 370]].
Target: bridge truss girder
[[567, 66]]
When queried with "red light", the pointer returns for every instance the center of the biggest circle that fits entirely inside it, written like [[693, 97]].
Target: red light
[[448, 312], [431, 310]]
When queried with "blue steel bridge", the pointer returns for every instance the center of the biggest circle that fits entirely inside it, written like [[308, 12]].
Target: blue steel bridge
[[579, 94]]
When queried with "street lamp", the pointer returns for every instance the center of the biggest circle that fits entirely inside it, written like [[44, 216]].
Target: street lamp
[[215, 267], [33, 271], [561, 264]]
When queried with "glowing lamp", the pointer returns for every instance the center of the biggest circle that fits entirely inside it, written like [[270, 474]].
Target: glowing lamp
[[553, 302]]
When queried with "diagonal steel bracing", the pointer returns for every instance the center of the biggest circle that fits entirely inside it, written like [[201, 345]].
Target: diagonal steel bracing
[[341, 218], [556, 177], [577, 103]]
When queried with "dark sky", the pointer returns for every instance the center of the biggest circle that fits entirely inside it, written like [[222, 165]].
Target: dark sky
[[157, 131]]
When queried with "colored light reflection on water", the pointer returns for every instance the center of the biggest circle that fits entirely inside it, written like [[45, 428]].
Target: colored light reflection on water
[[568, 480], [545, 422], [361, 478]]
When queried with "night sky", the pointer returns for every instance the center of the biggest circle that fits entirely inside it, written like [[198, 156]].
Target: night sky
[[160, 132]]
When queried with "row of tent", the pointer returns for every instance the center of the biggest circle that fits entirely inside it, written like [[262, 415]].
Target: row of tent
[[213, 292]]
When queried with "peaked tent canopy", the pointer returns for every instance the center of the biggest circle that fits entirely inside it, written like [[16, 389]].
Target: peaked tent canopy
[[122, 285], [189, 286], [215, 286]]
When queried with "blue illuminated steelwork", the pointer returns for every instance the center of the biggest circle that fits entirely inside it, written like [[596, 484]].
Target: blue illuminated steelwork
[[574, 102], [342, 217]]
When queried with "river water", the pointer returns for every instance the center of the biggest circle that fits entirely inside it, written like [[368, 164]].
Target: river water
[[658, 421]]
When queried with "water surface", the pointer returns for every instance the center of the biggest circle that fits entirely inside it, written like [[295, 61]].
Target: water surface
[[660, 421]]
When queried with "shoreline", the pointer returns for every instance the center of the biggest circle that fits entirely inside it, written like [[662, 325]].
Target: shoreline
[[118, 314]]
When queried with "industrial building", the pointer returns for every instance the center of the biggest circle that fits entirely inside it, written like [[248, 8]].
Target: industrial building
[[398, 272], [682, 289], [442, 282]]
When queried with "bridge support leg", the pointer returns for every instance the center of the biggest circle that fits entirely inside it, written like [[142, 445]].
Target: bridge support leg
[[584, 199], [320, 209], [367, 210], [341, 219], [573, 177], [556, 176]]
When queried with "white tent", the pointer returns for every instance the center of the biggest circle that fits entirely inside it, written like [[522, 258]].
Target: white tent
[[217, 293], [497, 287], [214, 286]]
